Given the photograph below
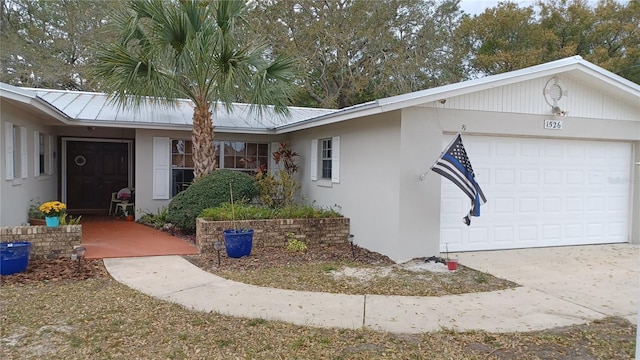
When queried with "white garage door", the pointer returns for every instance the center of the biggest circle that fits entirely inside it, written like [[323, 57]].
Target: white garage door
[[540, 192]]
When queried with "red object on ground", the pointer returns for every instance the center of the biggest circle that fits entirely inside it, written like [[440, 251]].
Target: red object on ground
[[452, 264]]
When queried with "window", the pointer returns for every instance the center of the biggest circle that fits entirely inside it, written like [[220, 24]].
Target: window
[[40, 150], [326, 158], [181, 165], [243, 156], [41, 153], [15, 151], [236, 155]]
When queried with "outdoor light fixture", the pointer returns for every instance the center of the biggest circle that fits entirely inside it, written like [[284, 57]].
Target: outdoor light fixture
[[353, 250], [78, 254], [218, 246]]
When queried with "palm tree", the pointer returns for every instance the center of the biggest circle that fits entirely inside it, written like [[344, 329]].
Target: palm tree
[[199, 50]]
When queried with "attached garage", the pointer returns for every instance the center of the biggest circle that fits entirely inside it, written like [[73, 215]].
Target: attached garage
[[541, 192]]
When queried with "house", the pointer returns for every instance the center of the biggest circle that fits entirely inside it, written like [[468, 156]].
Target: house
[[555, 148]]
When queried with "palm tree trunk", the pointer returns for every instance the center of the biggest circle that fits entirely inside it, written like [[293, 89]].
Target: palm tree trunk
[[204, 160]]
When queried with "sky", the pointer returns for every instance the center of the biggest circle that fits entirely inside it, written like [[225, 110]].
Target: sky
[[476, 7]]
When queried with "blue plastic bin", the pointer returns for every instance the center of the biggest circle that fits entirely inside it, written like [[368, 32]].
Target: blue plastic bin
[[14, 257]]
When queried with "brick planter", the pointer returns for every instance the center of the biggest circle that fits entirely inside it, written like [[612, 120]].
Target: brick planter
[[273, 232], [46, 242]]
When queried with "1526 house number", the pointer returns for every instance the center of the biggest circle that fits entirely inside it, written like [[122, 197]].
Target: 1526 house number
[[553, 124]]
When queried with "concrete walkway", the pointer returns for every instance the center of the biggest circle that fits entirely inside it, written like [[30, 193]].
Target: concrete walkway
[[561, 287]]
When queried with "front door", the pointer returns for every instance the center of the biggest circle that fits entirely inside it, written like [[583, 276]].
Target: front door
[[95, 170]]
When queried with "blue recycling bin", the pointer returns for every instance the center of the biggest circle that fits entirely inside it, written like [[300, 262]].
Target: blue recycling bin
[[14, 257]]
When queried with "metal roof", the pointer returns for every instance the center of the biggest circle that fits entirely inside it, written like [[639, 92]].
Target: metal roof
[[98, 109]]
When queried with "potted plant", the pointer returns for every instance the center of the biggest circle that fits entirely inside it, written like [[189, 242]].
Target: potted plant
[[52, 211], [452, 264], [127, 216], [36, 217], [237, 242]]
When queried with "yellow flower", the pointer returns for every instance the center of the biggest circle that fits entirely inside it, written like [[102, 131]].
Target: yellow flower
[[52, 208]]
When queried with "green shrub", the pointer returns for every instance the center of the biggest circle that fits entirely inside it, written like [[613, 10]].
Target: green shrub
[[66, 219], [156, 220], [295, 245], [245, 211], [209, 191], [242, 211], [279, 189]]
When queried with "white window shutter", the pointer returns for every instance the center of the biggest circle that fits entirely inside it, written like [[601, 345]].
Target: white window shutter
[[161, 167], [48, 153], [8, 154], [36, 154], [273, 167], [314, 159], [335, 159], [24, 153]]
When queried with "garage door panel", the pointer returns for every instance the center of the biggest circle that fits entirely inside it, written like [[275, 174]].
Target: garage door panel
[[541, 192], [504, 176], [575, 177], [504, 234], [552, 204]]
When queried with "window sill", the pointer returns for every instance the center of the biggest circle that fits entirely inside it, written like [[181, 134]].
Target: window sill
[[325, 183]]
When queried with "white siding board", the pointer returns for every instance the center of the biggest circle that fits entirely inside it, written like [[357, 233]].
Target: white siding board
[[527, 97]]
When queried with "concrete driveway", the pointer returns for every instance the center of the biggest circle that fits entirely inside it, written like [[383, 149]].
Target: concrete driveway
[[602, 278]]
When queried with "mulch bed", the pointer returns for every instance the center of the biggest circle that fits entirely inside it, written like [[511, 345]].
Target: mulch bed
[[55, 270], [271, 257]]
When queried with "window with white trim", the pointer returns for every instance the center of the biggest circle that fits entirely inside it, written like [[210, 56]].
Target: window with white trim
[[41, 157], [325, 158], [181, 165], [15, 151], [41, 150], [242, 156]]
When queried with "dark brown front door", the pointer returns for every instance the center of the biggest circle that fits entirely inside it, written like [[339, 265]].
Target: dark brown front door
[[94, 171]]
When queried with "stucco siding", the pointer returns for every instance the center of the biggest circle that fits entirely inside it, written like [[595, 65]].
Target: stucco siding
[[369, 177], [532, 125], [17, 194], [419, 196]]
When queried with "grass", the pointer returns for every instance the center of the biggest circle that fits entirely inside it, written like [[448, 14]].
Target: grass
[[102, 319]]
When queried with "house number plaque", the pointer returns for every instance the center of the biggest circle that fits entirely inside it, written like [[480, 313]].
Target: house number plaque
[[553, 124]]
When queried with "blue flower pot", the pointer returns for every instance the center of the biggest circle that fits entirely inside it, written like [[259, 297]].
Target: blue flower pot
[[14, 257], [52, 221], [238, 243]]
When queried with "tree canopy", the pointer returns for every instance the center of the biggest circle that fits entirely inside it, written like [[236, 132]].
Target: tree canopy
[[48, 44], [196, 50], [349, 51]]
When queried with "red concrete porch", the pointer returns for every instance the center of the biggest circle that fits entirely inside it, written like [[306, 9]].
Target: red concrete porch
[[110, 237]]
